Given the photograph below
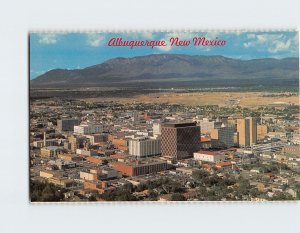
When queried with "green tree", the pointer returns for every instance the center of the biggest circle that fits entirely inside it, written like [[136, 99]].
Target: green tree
[[198, 175], [92, 198], [45, 192], [177, 197]]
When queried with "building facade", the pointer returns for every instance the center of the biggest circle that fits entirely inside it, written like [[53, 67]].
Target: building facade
[[67, 124], [84, 129], [144, 147], [262, 131], [247, 131], [225, 136], [292, 150], [209, 156], [156, 128], [51, 151], [206, 125], [138, 168], [180, 140]]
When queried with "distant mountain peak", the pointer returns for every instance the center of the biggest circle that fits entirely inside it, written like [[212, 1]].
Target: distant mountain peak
[[175, 69]]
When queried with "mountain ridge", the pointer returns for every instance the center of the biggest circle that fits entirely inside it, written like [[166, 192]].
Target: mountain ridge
[[175, 69]]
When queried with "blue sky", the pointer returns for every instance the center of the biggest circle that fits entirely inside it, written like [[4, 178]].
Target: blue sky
[[51, 50]]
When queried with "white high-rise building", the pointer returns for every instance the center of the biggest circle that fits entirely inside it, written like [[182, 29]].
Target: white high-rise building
[[88, 129], [143, 147], [156, 128]]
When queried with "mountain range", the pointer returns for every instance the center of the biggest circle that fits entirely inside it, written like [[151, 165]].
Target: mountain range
[[174, 70]]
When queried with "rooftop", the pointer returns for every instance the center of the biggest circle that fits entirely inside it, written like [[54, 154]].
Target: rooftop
[[136, 163], [208, 152], [179, 124]]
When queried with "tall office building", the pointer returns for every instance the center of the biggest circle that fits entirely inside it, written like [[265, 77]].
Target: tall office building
[[156, 128], [206, 125], [180, 140], [67, 124], [143, 147], [225, 135], [247, 131]]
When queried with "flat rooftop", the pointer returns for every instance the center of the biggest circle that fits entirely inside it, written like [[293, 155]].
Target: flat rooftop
[[179, 124], [137, 163]]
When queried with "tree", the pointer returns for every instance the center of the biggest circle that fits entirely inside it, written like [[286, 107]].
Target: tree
[[92, 198], [119, 194], [45, 192], [177, 197], [199, 175], [153, 196], [282, 196]]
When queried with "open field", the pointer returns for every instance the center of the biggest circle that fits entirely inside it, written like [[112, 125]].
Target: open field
[[243, 99]]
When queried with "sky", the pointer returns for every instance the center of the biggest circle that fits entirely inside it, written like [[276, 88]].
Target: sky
[[70, 50]]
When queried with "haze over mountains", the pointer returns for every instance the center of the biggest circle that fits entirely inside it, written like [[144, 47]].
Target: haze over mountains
[[169, 70]]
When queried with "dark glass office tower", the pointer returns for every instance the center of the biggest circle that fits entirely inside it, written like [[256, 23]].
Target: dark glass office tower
[[180, 140]]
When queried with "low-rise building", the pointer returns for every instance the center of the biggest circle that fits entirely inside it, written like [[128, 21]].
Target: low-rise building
[[209, 156], [186, 170], [223, 165], [262, 131], [94, 159], [88, 128], [62, 164], [108, 173], [86, 152], [140, 167], [291, 150], [62, 181], [51, 151], [88, 175], [97, 138], [45, 143], [49, 174]]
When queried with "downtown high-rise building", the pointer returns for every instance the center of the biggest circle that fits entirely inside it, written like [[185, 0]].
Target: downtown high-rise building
[[67, 124], [207, 125], [180, 140], [247, 131], [143, 147], [156, 128], [224, 135]]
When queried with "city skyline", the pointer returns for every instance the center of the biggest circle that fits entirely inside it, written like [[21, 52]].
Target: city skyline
[[171, 126]]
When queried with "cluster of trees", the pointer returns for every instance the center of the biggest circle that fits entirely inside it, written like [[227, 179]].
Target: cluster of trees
[[45, 192], [160, 186], [167, 184], [156, 187], [177, 197], [265, 168], [123, 193], [215, 188], [282, 196], [203, 178]]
